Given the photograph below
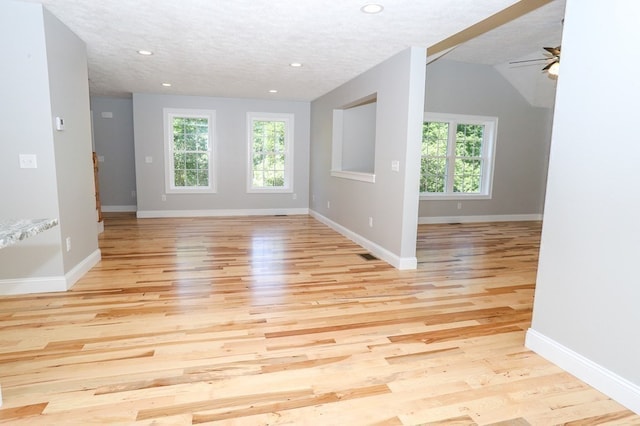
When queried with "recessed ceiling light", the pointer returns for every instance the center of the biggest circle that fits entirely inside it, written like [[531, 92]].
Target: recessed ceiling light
[[166, 84], [372, 8], [273, 91], [145, 52], [295, 64]]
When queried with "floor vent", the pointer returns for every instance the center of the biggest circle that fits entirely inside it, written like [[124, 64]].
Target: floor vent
[[367, 256]]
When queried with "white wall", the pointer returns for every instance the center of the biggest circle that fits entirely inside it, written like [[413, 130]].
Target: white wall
[[392, 201], [42, 75], [25, 117], [231, 158], [113, 137], [522, 144], [586, 312]]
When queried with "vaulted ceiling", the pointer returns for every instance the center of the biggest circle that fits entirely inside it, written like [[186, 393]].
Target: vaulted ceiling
[[244, 48]]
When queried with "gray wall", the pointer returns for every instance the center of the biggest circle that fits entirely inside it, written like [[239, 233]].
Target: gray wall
[[231, 161], [113, 138], [44, 75], [391, 201], [587, 290], [69, 89], [522, 142], [358, 138]]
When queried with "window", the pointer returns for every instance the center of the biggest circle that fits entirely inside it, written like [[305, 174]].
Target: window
[[270, 152], [189, 151], [457, 156]]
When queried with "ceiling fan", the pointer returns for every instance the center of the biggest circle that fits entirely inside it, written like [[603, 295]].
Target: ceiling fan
[[553, 60]]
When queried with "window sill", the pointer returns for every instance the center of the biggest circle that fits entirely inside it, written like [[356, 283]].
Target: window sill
[[363, 177], [190, 191], [269, 191], [454, 197]]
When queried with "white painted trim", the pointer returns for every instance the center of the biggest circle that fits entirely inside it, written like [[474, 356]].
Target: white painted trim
[[115, 209], [483, 218], [49, 284], [602, 379], [380, 252], [82, 268], [361, 176], [32, 285], [142, 214]]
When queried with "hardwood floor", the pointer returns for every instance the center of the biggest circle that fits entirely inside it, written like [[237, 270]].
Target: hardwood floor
[[278, 320]]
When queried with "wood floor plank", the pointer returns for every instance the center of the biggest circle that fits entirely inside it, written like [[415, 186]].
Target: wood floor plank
[[279, 320]]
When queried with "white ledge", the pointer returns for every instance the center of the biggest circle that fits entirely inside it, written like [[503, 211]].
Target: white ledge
[[363, 177]]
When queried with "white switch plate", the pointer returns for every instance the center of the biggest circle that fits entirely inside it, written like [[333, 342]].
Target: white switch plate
[[148, 159], [100, 158], [28, 161], [395, 166], [106, 114], [59, 123]]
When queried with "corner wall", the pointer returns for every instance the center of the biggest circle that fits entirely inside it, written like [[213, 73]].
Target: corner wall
[[392, 200], [586, 313], [42, 75]]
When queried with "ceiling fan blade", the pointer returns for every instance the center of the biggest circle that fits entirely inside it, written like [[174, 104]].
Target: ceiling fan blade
[[549, 65], [555, 51], [528, 60]]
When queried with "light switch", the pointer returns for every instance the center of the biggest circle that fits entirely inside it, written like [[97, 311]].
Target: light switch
[[28, 161], [395, 166], [100, 158], [148, 159], [59, 123]]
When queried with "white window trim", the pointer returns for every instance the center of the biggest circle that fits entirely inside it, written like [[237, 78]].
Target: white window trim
[[168, 115], [488, 153], [288, 151]]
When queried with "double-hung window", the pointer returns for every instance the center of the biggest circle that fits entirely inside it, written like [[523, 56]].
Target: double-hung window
[[189, 150], [270, 146], [457, 156]]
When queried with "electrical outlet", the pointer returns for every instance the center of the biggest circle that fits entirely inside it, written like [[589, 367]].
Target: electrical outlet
[[328, 204], [164, 197], [370, 222], [459, 205], [68, 243], [294, 196], [28, 161], [133, 194]]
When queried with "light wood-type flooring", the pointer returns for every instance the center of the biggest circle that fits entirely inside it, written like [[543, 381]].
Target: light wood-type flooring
[[279, 320]]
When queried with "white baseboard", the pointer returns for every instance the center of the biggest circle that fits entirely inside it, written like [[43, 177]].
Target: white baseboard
[[143, 214], [115, 209], [476, 219], [380, 252], [607, 382], [49, 284], [82, 268]]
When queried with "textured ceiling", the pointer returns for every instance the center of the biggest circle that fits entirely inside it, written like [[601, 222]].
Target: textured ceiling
[[521, 37], [242, 48]]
